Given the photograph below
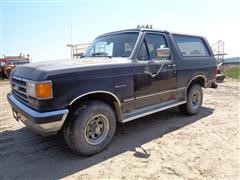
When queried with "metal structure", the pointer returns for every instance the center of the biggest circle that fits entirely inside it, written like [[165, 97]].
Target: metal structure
[[218, 50], [78, 49]]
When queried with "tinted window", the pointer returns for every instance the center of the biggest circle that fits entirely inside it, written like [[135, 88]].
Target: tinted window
[[150, 45], [143, 54], [191, 46]]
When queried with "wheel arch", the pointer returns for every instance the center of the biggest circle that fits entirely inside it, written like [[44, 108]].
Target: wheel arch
[[198, 79], [105, 96]]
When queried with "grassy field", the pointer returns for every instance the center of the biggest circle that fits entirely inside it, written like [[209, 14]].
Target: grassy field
[[232, 72]]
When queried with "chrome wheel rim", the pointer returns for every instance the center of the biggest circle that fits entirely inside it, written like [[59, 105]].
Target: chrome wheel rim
[[96, 129], [196, 99]]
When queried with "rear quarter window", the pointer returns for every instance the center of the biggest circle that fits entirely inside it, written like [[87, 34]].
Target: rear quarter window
[[191, 45]]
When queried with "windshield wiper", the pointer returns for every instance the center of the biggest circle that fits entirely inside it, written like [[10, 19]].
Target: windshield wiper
[[102, 54]]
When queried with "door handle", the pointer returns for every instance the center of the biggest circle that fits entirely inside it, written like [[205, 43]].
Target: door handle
[[171, 65]]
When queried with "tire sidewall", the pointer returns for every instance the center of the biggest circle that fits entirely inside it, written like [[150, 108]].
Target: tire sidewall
[[81, 121], [193, 89]]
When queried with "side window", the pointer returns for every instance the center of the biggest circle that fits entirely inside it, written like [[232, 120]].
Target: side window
[[191, 46], [149, 48], [143, 54]]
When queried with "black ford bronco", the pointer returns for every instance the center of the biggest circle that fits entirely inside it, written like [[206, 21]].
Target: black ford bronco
[[122, 76]]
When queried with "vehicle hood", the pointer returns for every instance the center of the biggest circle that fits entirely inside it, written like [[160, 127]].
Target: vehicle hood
[[45, 69]]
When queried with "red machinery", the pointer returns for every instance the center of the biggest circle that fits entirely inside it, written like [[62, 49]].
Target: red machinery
[[8, 63]]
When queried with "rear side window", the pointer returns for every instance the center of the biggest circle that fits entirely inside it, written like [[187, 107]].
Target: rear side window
[[191, 46]]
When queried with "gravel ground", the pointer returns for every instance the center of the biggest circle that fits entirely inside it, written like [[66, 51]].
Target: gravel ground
[[166, 145]]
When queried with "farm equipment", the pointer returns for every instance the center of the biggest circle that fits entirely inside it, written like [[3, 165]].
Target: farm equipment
[[8, 63]]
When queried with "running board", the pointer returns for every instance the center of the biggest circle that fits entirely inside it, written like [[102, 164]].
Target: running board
[[150, 110]]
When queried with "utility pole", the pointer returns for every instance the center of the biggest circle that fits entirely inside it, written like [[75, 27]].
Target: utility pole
[[70, 45]]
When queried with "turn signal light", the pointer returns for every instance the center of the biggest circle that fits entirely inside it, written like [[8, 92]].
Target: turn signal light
[[43, 90]]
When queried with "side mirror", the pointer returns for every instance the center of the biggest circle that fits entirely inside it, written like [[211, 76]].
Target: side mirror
[[163, 53]]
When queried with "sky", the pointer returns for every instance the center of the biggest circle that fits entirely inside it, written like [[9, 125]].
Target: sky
[[44, 28]]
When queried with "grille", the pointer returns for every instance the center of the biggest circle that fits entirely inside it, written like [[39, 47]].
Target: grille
[[19, 88]]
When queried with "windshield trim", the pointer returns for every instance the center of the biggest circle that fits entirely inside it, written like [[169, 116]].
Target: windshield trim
[[117, 32]]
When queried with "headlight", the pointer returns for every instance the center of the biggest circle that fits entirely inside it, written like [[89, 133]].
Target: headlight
[[31, 89], [40, 90]]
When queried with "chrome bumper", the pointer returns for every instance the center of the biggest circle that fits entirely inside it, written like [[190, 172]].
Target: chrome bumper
[[44, 123]]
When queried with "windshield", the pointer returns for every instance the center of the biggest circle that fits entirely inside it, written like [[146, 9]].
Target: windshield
[[115, 45]]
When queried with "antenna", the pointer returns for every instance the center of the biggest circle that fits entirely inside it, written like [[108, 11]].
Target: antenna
[[71, 33]]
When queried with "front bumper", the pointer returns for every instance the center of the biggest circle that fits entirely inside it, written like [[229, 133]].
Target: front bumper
[[44, 123]]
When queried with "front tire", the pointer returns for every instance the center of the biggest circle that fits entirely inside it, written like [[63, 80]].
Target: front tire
[[194, 100], [91, 128]]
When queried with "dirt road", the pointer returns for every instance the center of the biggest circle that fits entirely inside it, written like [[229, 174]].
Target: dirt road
[[166, 145]]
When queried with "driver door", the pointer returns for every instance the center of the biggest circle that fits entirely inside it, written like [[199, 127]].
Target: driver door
[[155, 79]]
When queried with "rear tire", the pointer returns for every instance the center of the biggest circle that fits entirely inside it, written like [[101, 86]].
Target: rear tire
[[91, 128], [194, 100]]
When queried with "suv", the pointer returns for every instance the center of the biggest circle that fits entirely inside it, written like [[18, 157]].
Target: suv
[[122, 76]]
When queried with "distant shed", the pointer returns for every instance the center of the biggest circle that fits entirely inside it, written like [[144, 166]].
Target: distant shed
[[232, 61]]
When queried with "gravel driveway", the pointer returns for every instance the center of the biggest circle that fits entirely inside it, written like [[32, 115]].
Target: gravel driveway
[[166, 145]]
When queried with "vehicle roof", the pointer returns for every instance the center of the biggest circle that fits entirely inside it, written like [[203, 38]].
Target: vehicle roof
[[147, 30]]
